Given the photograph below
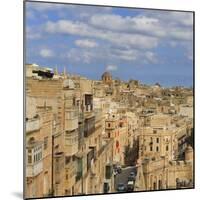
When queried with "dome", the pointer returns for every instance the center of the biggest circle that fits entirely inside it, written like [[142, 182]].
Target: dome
[[106, 78], [106, 74], [68, 83]]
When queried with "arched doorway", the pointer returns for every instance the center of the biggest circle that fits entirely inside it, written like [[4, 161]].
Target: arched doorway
[[160, 184]]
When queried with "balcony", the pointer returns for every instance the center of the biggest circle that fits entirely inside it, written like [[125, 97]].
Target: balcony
[[89, 108], [71, 119], [34, 169], [71, 113], [32, 125], [80, 117]]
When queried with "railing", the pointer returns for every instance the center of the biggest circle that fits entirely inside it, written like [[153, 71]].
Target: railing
[[80, 116], [88, 108]]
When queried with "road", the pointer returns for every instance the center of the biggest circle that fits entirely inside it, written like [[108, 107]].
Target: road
[[123, 176]]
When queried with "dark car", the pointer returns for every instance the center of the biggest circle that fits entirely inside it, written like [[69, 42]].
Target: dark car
[[132, 174], [121, 187]]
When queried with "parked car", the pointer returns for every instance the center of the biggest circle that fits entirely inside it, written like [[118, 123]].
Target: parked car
[[132, 174], [121, 187], [131, 178], [130, 186]]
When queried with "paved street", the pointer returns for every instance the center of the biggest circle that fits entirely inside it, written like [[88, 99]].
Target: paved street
[[123, 176]]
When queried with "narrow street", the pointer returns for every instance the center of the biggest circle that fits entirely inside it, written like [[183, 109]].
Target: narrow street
[[123, 176]]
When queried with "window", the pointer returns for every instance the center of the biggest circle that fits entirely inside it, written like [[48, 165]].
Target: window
[[45, 142], [151, 148], [29, 151], [78, 103], [108, 124], [154, 131], [109, 134], [167, 148], [67, 160], [157, 140], [29, 159], [157, 149]]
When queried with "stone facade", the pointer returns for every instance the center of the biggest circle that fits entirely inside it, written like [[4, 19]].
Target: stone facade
[[77, 129]]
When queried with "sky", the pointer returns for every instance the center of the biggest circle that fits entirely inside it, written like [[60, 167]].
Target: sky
[[146, 45]]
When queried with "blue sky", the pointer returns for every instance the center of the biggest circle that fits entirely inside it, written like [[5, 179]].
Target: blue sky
[[148, 45]]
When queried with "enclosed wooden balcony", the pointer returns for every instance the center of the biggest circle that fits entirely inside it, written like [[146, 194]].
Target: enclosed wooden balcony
[[34, 169], [32, 125]]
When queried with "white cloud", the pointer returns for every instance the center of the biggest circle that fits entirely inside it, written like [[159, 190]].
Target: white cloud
[[77, 55], [88, 55], [111, 68], [127, 24], [116, 38], [125, 54], [86, 43], [175, 18], [124, 38], [159, 25], [150, 57], [46, 53], [179, 34], [32, 34]]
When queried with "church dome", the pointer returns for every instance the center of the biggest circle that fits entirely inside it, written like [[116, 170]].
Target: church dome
[[106, 78], [106, 74]]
